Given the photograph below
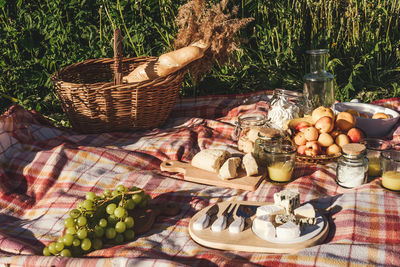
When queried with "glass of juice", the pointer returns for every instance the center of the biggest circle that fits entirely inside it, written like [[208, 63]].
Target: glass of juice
[[280, 161], [390, 162], [375, 147]]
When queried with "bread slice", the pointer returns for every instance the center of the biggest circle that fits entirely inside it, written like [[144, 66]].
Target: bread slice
[[250, 164], [210, 159], [229, 168]]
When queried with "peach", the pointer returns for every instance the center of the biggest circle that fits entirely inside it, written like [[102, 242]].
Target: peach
[[321, 112], [342, 140], [354, 112], [324, 124], [345, 121], [311, 133], [301, 150], [333, 149], [312, 148], [335, 133], [355, 135], [325, 140], [380, 115], [301, 126], [299, 139]]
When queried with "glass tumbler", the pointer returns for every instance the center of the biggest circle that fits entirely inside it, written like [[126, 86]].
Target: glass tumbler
[[280, 161], [375, 147], [391, 169]]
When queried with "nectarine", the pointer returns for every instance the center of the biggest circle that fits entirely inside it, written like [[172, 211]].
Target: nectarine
[[355, 135], [321, 112], [333, 149], [301, 126], [311, 133], [325, 139], [324, 124], [312, 148], [342, 140], [299, 139], [345, 121]]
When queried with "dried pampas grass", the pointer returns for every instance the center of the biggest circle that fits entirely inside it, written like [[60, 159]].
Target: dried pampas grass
[[213, 26]]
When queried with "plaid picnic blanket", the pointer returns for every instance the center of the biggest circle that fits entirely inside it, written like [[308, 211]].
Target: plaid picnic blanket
[[45, 171]]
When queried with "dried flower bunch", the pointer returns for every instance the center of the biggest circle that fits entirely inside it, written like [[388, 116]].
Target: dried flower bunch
[[213, 26]]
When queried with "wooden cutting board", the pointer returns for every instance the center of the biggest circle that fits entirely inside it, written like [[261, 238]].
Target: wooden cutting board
[[201, 176], [247, 240]]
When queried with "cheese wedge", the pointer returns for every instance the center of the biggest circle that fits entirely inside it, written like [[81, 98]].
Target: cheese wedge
[[306, 210], [288, 231], [269, 210], [288, 199], [264, 226]]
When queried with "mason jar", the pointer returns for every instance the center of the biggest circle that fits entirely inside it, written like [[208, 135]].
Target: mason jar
[[352, 166]]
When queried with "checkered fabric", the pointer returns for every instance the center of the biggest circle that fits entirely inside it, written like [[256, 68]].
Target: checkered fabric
[[45, 171]]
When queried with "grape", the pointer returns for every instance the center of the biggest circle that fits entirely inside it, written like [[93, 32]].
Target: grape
[[75, 213], [82, 233], [107, 193], [103, 222], [97, 243], [129, 235], [115, 193], [86, 244], [60, 239], [110, 233], [65, 253], [98, 231], [59, 246], [90, 196], [52, 248], [137, 198], [70, 230], [68, 238], [76, 242], [130, 204], [120, 227], [119, 212], [121, 188], [134, 188], [111, 208], [129, 222], [81, 221], [112, 220], [80, 205], [88, 204], [69, 222], [118, 239], [46, 251]]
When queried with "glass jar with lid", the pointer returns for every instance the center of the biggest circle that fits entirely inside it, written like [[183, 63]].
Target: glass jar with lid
[[285, 105], [375, 147], [352, 166]]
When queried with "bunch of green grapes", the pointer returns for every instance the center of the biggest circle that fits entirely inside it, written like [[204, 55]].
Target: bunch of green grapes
[[99, 220]]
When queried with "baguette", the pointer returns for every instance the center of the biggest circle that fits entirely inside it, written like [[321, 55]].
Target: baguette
[[210, 159], [250, 164], [167, 63], [229, 168]]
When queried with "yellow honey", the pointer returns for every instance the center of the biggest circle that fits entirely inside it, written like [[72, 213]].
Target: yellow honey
[[391, 180], [280, 172], [374, 167]]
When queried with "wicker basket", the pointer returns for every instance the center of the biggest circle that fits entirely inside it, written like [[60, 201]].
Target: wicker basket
[[94, 103]]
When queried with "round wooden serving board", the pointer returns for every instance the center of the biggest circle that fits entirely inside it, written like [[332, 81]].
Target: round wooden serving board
[[247, 240]]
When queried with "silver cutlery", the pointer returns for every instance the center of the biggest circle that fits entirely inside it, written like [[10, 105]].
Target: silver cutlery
[[221, 222], [203, 221]]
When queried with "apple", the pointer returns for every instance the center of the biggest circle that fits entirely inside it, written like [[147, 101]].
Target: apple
[[301, 126], [301, 150], [311, 133], [321, 112], [342, 140], [325, 140], [324, 124], [355, 135], [312, 148], [299, 139], [333, 149]]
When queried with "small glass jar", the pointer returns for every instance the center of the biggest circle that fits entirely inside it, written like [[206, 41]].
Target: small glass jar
[[246, 121], [375, 147], [391, 169], [270, 137], [280, 160], [352, 166], [285, 105]]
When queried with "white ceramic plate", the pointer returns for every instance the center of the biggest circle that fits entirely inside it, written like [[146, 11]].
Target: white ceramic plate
[[371, 127], [307, 233]]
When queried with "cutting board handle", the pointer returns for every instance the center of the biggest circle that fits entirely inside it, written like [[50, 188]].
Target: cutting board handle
[[174, 166]]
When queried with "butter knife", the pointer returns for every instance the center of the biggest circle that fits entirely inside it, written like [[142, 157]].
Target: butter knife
[[204, 220], [243, 212]]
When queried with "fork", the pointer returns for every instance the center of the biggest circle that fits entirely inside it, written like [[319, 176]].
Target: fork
[[220, 223]]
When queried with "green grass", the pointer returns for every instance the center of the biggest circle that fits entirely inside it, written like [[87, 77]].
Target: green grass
[[39, 37]]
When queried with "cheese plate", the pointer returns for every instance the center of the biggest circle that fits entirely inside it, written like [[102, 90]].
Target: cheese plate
[[248, 240], [197, 175]]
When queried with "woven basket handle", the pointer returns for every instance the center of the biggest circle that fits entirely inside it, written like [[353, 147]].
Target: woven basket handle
[[117, 57]]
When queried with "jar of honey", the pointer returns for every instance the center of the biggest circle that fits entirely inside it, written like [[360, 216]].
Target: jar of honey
[[375, 147], [391, 169]]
